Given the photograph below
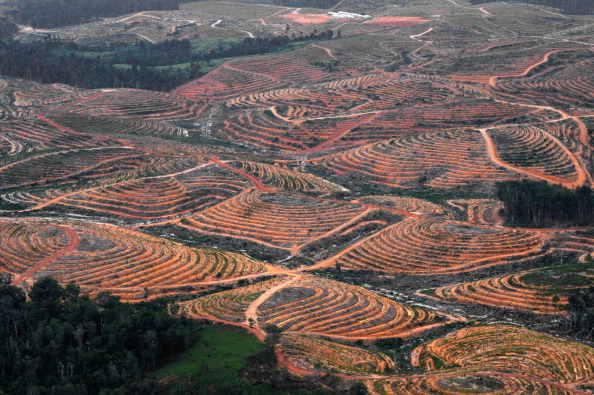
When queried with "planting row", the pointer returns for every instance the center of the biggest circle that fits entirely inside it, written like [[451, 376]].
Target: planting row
[[228, 305], [330, 308], [507, 291], [111, 257], [409, 204], [509, 348], [157, 197], [440, 159], [531, 148], [134, 103], [119, 260], [315, 354], [23, 245], [30, 135], [226, 82], [479, 211], [466, 382], [280, 176], [56, 166], [418, 246], [94, 125], [282, 221]]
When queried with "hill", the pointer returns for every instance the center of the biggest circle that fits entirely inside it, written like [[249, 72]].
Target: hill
[[393, 197]]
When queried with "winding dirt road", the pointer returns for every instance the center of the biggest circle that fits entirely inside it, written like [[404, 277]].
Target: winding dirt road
[[252, 311], [74, 241], [529, 68], [492, 151]]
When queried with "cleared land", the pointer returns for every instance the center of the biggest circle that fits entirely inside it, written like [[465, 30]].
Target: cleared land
[[335, 197]]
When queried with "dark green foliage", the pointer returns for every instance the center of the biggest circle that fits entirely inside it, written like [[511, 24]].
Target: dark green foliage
[[7, 28], [272, 329], [539, 204], [389, 344], [358, 389], [581, 310], [53, 13], [578, 7], [62, 342], [52, 61]]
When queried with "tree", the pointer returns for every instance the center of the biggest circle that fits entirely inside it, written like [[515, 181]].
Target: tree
[[63, 342]]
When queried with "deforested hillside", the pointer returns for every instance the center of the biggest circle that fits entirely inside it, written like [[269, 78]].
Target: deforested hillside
[[391, 197]]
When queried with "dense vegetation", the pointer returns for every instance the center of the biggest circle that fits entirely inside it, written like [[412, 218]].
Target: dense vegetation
[[538, 203], [577, 7], [7, 28], [581, 310], [63, 343], [160, 66], [53, 13]]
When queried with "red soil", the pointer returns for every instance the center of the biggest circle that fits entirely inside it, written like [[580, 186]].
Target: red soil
[[307, 19], [78, 102], [397, 21], [253, 179], [74, 240]]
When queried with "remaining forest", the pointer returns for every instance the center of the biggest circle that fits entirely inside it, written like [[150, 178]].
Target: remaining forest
[[385, 197], [577, 7]]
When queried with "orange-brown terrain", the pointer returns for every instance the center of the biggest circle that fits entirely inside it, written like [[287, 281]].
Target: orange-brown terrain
[[342, 191]]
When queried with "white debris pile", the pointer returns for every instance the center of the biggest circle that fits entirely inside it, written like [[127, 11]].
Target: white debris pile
[[347, 15]]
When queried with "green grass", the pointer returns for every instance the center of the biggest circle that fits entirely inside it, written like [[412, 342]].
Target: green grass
[[122, 66], [173, 67], [205, 67], [560, 277], [212, 364], [218, 355], [205, 44], [85, 54]]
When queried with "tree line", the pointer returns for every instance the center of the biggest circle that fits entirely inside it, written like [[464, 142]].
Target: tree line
[[54, 13], [575, 7], [62, 342], [540, 204], [581, 313], [142, 65], [7, 28]]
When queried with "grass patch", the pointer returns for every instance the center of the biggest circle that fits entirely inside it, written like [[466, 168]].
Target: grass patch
[[86, 54], [559, 277], [214, 363], [173, 67], [218, 355]]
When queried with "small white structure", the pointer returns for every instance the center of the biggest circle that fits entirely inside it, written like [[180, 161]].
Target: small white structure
[[347, 15]]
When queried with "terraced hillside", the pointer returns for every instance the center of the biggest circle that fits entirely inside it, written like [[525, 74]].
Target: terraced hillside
[[418, 246], [315, 306], [104, 257], [328, 180], [272, 219], [534, 354], [440, 160], [541, 291]]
